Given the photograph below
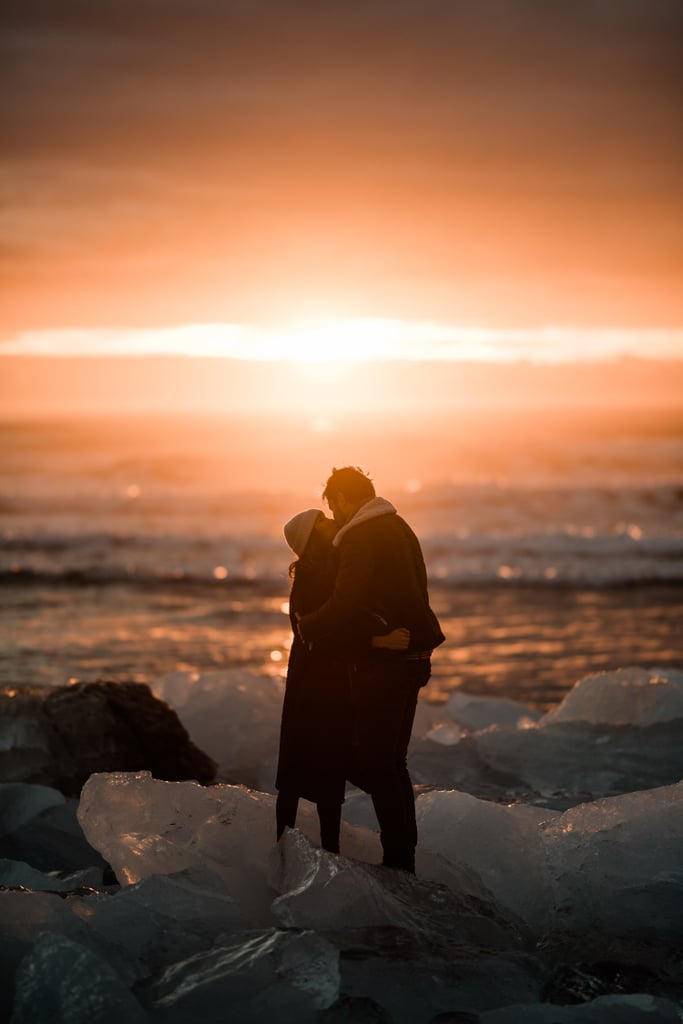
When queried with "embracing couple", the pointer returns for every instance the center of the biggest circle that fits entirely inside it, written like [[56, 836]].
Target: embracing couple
[[363, 637]]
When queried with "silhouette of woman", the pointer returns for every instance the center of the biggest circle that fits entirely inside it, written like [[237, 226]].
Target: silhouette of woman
[[316, 729]]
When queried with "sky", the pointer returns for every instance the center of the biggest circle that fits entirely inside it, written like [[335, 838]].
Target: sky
[[488, 180]]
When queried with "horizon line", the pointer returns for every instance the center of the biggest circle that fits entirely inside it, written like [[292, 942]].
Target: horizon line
[[356, 340]]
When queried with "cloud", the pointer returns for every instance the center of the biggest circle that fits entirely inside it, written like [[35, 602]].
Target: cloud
[[357, 339]]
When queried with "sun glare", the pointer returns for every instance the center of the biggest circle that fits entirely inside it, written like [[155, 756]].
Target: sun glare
[[337, 341]]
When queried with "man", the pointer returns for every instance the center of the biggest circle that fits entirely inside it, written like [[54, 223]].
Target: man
[[381, 573]]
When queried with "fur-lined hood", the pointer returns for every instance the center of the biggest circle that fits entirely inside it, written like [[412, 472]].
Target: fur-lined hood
[[370, 510]]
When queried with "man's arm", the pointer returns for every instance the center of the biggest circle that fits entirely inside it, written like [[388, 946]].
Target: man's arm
[[340, 613]]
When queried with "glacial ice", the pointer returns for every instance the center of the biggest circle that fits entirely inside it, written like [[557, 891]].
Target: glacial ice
[[24, 917], [628, 696], [20, 802], [163, 918], [234, 716], [65, 983], [323, 891], [614, 732], [476, 713], [15, 873], [212, 914], [52, 840], [621, 1009], [501, 847], [617, 866], [272, 975], [144, 826], [613, 866], [546, 869]]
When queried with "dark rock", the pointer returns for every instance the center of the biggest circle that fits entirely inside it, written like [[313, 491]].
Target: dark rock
[[354, 1010], [59, 736]]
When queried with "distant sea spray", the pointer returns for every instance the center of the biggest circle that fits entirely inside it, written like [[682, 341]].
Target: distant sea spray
[[470, 534]]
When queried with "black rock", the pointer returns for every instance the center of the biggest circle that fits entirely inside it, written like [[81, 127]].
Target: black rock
[[59, 736]]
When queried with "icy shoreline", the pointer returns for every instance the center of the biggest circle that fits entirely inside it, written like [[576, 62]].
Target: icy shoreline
[[557, 898]]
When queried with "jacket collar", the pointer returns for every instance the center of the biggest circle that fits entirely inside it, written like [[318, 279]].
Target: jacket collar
[[370, 510]]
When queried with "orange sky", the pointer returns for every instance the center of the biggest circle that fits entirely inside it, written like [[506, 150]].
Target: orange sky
[[499, 163]]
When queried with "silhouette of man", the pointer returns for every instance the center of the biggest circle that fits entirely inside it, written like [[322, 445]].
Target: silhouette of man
[[381, 573]]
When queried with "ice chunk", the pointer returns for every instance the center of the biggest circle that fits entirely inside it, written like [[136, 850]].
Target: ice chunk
[[427, 715], [445, 733], [359, 810], [582, 760], [144, 826], [617, 865], [412, 980], [232, 715], [629, 696], [501, 847], [162, 919], [273, 975], [615, 732], [15, 873], [548, 870], [65, 983], [23, 917], [324, 891], [88, 878], [476, 713], [52, 841], [630, 1009], [20, 802], [563, 762], [614, 866]]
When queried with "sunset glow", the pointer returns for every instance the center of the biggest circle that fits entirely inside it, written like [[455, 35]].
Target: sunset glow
[[361, 339], [485, 181], [406, 206]]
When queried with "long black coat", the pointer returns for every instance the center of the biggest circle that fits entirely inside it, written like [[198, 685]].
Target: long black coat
[[315, 734]]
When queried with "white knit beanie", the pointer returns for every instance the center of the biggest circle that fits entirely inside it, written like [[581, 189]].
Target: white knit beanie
[[299, 529]]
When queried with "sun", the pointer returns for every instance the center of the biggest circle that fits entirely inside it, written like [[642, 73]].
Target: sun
[[336, 341]]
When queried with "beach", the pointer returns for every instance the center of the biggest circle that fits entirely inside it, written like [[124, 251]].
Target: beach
[[545, 754]]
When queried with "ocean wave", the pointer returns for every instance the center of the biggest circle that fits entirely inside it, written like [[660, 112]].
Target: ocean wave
[[551, 558]]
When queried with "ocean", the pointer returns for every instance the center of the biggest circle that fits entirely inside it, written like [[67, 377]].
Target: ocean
[[130, 547]]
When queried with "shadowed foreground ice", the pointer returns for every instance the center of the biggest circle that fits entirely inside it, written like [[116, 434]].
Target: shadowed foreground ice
[[615, 732], [541, 908]]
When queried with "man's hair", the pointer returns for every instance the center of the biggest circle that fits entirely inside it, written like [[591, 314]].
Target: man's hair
[[351, 482]]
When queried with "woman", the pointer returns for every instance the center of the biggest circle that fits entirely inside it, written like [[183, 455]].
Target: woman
[[316, 729]]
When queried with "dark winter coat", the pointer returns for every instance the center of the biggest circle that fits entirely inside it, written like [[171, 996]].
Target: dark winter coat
[[381, 567], [315, 730]]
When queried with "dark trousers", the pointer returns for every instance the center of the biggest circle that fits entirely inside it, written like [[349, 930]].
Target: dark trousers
[[384, 696]]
